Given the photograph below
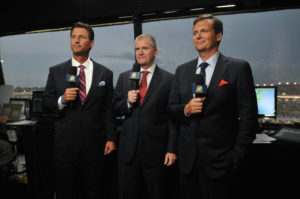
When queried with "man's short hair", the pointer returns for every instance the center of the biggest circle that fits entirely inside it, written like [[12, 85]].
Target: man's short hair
[[85, 26], [217, 23], [147, 37]]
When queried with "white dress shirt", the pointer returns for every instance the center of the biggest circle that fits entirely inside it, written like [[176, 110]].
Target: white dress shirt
[[151, 70], [88, 70], [212, 61]]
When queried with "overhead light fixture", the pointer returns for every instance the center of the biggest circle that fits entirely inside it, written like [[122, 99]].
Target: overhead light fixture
[[196, 9], [170, 11], [1, 60], [46, 30], [226, 6], [125, 17], [148, 14]]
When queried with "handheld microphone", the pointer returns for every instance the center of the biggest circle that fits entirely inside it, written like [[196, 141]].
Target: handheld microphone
[[135, 76], [72, 78], [199, 88]]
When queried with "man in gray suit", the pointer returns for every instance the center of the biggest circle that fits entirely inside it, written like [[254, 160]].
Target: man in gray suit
[[84, 128], [218, 126], [148, 138]]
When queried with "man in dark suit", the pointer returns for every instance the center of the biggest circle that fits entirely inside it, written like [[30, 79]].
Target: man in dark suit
[[216, 130], [84, 128], [147, 139]]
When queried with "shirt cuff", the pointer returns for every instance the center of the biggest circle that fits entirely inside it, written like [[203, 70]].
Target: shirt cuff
[[61, 103], [129, 105], [186, 115]]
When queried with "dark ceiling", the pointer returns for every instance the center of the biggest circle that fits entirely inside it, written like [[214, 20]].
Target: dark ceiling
[[18, 17]]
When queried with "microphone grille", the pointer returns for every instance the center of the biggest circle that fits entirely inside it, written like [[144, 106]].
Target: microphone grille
[[136, 67], [199, 79], [73, 70]]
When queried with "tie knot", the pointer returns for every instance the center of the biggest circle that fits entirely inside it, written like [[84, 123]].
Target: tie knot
[[145, 72], [203, 65], [81, 66]]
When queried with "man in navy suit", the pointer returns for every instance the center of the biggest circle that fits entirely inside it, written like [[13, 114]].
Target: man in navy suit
[[216, 130], [84, 128], [148, 138]]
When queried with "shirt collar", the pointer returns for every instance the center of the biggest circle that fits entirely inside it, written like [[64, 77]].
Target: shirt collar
[[212, 61], [150, 69], [86, 64]]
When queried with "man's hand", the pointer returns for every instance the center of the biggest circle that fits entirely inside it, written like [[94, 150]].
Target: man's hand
[[3, 118], [170, 159], [133, 96], [70, 94], [194, 106], [109, 147]]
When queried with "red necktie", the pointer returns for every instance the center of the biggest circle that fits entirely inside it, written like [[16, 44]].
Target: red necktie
[[82, 91], [143, 86]]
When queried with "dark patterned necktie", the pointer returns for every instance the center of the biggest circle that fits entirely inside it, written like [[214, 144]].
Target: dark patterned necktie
[[82, 87], [203, 66]]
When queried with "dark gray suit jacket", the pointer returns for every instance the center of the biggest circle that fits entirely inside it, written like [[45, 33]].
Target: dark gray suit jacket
[[147, 127], [222, 134], [81, 128]]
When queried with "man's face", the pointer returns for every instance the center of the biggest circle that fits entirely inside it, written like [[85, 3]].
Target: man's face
[[144, 52], [80, 42], [204, 37]]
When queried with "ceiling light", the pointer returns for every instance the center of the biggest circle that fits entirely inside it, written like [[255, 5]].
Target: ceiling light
[[196, 9], [226, 6], [170, 11]]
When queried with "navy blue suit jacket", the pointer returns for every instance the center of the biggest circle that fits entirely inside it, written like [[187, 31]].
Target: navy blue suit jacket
[[81, 128], [222, 134], [147, 127]]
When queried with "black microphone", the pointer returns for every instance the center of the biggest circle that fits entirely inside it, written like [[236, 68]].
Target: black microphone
[[72, 78], [199, 88], [135, 76]]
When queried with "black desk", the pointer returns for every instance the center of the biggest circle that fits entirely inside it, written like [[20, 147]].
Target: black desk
[[25, 145], [270, 171], [35, 142]]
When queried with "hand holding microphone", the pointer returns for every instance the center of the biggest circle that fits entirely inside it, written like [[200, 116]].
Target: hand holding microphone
[[72, 79], [134, 77], [199, 91], [194, 106], [133, 96], [70, 94]]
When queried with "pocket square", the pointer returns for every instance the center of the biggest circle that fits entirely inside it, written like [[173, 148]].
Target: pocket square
[[222, 83], [102, 83]]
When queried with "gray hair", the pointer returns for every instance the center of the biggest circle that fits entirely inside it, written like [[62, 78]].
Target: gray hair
[[147, 37]]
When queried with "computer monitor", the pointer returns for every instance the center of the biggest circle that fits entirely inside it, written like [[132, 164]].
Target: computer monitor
[[266, 101], [36, 104], [25, 112]]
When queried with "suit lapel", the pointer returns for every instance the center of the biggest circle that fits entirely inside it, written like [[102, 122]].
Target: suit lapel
[[67, 70], [153, 84], [191, 72], [221, 67], [95, 79]]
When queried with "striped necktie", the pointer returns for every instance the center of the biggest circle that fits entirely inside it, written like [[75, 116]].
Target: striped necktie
[[82, 88]]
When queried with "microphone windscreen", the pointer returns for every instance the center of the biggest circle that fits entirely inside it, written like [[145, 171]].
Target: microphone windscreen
[[199, 79], [199, 88], [136, 67], [73, 70]]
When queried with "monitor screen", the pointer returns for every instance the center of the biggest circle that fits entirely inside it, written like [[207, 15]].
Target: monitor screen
[[25, 106], [266, 101], [37, 109]]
